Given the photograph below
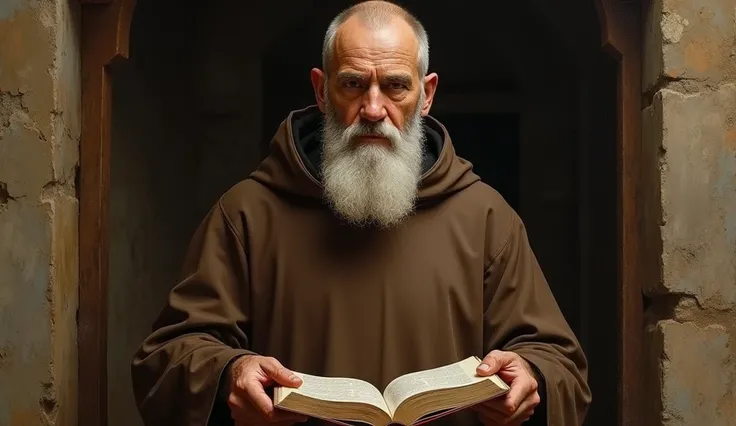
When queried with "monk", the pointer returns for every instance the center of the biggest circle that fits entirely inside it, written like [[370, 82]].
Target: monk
[[362, 247]]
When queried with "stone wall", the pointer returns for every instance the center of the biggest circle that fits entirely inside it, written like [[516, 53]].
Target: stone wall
[[689, 131], [39, 139]]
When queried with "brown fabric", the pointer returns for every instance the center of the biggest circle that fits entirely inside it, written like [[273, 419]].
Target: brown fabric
[[272, 271]]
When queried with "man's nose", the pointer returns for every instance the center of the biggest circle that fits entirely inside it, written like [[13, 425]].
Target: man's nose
[[373, 108]]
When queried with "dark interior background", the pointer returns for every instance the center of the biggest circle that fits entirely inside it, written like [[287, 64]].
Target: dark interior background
[[525, 91]]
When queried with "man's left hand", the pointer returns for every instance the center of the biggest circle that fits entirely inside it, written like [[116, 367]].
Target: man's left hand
[[517, 406]]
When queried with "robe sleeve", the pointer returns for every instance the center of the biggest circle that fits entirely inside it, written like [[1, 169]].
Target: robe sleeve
[[522, 316], [177, 370]]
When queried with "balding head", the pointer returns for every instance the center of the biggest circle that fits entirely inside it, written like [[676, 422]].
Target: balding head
[[374, 15], [374, 90]]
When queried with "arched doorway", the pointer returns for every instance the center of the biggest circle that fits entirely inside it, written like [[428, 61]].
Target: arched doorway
[[557, 95]]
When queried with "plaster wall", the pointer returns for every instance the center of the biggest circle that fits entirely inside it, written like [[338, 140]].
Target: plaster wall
[[689, 136], [39, 139]]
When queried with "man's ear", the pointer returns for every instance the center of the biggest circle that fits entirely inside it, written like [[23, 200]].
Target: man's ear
[[430, 87], [319, 78]]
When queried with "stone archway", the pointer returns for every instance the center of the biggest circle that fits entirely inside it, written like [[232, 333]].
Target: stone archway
[[105, 37]]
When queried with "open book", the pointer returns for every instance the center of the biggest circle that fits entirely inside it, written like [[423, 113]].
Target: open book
[[411, 399]]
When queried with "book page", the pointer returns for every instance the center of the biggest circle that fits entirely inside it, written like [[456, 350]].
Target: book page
[[449, 376], [339, 389]]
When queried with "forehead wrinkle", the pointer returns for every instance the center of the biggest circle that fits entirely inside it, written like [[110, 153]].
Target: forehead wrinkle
[[380, 72], [357, 60], [359, 52]]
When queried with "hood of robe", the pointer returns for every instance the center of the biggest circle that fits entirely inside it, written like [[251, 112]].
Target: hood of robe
[[295, 155]]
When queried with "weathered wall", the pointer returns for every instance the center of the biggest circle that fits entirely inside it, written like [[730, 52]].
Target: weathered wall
[[39, 138], [690, 138]]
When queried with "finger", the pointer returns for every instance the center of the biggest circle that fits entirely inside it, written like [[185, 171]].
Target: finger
[[503, 405], [258, 398], [526, 407], [280, 374], [244, 412], [237, 403], [522, 388], [260, 410], [494, 361], [508, 407], [499, 405], [251, 417], [527, 415]]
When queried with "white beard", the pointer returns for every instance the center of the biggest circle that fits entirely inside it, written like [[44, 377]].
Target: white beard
[[372, 184]]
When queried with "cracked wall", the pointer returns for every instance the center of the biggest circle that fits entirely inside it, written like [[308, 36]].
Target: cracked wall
[[689, 135], [39, 138]]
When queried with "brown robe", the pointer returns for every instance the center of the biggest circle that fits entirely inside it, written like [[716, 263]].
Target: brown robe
[[272, 271]]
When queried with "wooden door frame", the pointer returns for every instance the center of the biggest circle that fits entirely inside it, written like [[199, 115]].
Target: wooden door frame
[[622, 23], [105, 39]]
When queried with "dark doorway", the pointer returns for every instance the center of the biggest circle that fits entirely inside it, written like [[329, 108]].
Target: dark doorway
[[491, 142], [525, 91], [529, 98]]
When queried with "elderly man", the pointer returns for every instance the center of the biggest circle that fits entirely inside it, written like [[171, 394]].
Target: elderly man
[[363, 247]]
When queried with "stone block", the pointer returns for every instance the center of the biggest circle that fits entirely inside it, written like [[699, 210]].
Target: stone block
[[653, 61], [698, 193], [697, 39], [25, 158], [651, 375], [697, 375], [67, 117], [650, 201], [60, 402], [25, 323], [28, 34], [39, 137]]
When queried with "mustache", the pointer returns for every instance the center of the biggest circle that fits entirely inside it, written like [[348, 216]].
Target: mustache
[[379, 129]]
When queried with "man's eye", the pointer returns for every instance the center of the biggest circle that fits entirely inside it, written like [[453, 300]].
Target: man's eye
[[351, 84], [397, 86]]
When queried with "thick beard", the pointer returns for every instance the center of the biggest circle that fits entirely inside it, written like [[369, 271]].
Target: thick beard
[[372, 184]]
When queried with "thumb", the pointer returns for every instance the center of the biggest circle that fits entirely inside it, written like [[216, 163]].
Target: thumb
[[280, 374], [491, 364]]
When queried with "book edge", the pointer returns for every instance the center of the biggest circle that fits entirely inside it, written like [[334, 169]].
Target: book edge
[[303, 397]]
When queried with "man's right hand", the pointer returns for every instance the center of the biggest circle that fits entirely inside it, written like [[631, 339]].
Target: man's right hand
[[249, 404]]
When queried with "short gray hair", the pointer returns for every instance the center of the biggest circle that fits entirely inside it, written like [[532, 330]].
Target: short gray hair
[[377, 14]]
